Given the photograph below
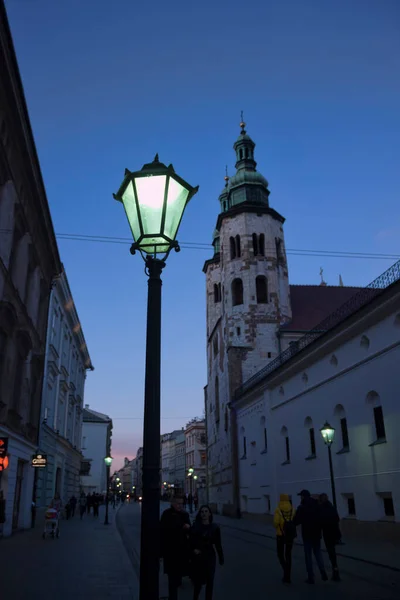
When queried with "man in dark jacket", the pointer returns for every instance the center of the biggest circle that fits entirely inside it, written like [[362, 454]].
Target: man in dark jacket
[[174, 529], [330, 531], [308, 516]]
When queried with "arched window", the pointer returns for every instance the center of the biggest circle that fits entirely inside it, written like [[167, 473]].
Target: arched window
[[237, 240], [261, 244], [243, 442], [247, 153], [240, 153], [217, 400], [308, 424], [285, 436], [232, 247], [374, 401], [364, 343], [264, 438], [341, 416], [261, 289], [216, 295], [255, 244], [334, 360], [226, 419], [237, 292]]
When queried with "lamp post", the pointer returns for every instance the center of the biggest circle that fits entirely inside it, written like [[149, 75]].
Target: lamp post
[[108, 461], [154, 200], [190, 475], [328, 435]]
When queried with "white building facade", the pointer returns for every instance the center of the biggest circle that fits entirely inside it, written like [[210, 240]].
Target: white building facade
[[67, 363], [96, 445], [348, 376]]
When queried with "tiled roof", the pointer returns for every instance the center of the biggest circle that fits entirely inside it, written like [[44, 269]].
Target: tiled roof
[[311, 304], [92, 416]]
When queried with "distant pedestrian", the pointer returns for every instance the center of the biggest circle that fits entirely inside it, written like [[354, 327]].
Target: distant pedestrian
[[205, 543], [330, 532], [285, 534], [73, 502], [308, 516], [174, 545], [95, 502], [88, 503], [82, 505]]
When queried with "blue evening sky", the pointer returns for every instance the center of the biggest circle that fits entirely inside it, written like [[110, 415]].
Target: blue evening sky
[[110, 83]]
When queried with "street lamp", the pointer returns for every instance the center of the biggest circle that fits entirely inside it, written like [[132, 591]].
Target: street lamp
[[154, 200], [108, 461], [328, 435]]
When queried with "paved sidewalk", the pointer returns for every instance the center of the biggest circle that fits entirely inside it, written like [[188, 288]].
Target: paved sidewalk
[[372, 550], [88, 561]]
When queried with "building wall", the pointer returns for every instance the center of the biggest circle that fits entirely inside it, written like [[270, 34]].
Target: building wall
[[196, 451], [347, 377], [96, 442], [29, 261]]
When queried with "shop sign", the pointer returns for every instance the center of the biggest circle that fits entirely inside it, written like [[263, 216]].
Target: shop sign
[[3, 446], [39, 460], [3, 463]]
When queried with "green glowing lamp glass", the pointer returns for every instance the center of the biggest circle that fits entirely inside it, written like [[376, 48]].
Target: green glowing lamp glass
[[154, 200], [108, 460], [328, 434]]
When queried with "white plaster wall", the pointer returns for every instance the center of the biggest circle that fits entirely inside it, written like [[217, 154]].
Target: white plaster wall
[[95, 435], [365, 471]]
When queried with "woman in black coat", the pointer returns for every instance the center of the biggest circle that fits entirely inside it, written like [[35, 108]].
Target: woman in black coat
[[205, 541]]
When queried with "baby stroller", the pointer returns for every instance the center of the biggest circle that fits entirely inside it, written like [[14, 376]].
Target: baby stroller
[[51, 524]]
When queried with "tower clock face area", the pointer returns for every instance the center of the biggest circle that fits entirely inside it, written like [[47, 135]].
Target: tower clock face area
[[247, 301]]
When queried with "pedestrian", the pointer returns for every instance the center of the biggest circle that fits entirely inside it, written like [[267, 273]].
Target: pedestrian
[[190, 502], [330, 532], [73, 502], [285, 534], [95, 502], [308, 516], [88, 503], [56, 503], [68, 510], [205, 543], [174, 545], [82, 504]]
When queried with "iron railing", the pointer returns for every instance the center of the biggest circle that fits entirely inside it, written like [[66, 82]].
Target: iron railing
[[360, 299]]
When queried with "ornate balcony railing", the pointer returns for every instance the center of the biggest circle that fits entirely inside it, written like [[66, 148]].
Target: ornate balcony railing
[[360, 299]]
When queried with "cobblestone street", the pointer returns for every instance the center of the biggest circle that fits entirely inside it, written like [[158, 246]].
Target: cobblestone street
[[251, 568], [87, 561]]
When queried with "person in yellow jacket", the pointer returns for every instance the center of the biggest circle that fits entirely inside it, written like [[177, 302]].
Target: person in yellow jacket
[[285, 534]]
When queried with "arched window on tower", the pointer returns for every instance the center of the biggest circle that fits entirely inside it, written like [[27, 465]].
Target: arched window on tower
[[216, 292], [240, 154], [262, 289], [255, 244], [237, 240], [247, 153], [232, 247], [237, 292], [217, 399], [261, 244]]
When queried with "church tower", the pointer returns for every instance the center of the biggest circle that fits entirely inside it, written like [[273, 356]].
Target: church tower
[[248, 299]]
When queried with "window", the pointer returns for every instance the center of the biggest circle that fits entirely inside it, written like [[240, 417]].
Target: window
[[388, 505], [237, 292], [244, 446], [364, 342], [237, 330], [264, 439], [345, 433], [261, 244], [216, 295], [269, 354], [287, 447], [217, 399], [312, 441], [351, 506], [237, 242], [255, 244], [215, 344], [232, 245], [226, 419], [379, 423], [261, 289], [243, 442]]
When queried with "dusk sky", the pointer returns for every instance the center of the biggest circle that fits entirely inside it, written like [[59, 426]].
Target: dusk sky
[[109, 84]]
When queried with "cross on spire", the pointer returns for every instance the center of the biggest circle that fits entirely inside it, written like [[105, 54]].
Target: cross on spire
[[242, 123]]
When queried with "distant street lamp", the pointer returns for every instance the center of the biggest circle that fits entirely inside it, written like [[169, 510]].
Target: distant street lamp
[[328, 435], [108, 461], [154, 200]]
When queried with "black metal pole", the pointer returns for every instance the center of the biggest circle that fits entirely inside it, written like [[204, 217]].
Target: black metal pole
[[108, 485], [149, 543], [332, 477]]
